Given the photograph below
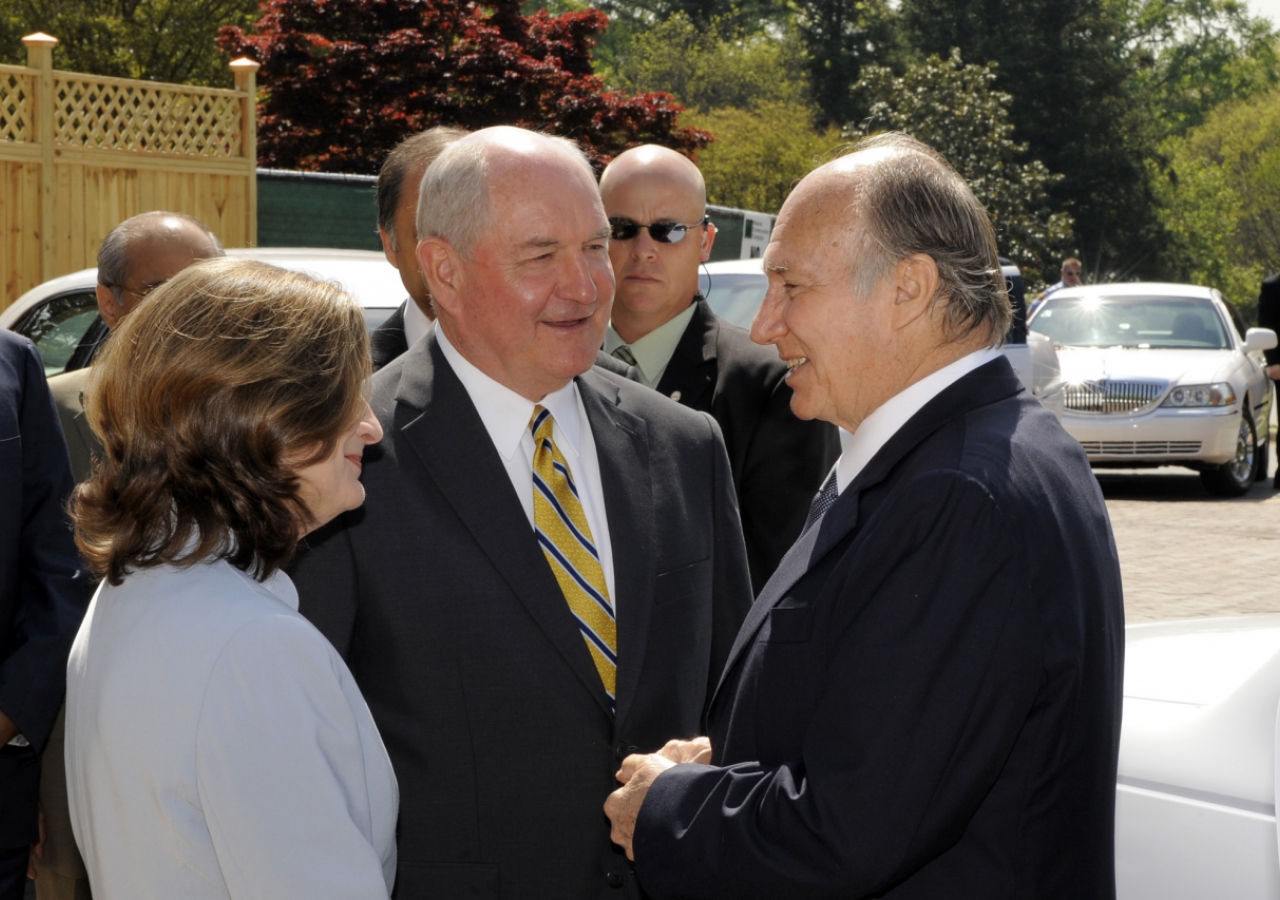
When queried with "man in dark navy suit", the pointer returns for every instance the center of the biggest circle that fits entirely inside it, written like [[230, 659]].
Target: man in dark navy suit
[[925, 699], [43, 594]]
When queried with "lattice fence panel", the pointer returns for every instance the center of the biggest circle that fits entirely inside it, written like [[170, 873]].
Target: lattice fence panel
[[130, 116], [15, 107]]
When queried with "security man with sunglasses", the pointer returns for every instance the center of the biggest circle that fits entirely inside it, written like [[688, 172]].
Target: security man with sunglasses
[[656, 202]]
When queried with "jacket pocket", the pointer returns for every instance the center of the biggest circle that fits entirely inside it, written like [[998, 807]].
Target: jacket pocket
[[694, 578]]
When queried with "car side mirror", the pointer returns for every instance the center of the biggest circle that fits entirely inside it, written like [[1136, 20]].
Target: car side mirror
[[1260, 339]]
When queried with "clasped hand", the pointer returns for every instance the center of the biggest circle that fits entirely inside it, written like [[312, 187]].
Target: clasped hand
[[637, 774]]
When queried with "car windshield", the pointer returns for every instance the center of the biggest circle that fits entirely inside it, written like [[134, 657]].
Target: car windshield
[[1189, 323]]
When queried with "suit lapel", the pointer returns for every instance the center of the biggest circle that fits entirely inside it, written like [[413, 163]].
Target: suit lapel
[[692, 368], [440, 424], [622, 448], [987, 384]]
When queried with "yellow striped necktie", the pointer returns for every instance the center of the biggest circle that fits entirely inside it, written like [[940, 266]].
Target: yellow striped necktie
[[565, 537]]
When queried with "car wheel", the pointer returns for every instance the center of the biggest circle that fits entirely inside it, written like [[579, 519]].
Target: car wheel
[[1235, 476]]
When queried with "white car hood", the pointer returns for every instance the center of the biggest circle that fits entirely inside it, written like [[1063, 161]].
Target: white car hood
[[1175, 366]]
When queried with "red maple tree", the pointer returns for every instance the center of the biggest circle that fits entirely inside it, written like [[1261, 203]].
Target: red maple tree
[[343, 81]]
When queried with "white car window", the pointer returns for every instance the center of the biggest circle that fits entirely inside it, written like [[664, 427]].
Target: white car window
[[57, 326]]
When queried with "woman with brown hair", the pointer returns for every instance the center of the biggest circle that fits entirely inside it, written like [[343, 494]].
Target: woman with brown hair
[[217, 746]]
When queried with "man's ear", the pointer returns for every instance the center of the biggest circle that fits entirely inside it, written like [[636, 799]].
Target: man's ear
[[443, 271], [387, 249], [917, 283], [708, 240], [107, 305]]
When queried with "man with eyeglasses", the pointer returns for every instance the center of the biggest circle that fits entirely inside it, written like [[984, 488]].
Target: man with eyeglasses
[[1071, 271], [660, 234], [136, 257]]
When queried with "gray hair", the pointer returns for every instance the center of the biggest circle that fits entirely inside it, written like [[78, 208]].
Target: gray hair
[[913, 201], [113, 255], [453, 203]]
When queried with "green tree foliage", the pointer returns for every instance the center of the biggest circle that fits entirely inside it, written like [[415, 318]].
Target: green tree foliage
[[713, 68], [159, 40], [841, 37], [1189, 56], [1065, 66], [759, 154], [955, 109], [1220, 197]]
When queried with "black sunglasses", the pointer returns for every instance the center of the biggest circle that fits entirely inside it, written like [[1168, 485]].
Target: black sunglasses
[[663, 232]]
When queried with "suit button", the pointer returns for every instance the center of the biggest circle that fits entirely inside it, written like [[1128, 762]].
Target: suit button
[[613, 878], [622, 751]]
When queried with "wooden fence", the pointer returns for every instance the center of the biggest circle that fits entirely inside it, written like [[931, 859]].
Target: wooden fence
[[81, 153]]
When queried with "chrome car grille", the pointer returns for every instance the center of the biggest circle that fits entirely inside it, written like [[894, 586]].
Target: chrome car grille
[[1108, 396], [1141, 448]]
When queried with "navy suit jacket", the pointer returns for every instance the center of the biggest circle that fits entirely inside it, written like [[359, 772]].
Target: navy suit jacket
[[925, 700], [43, 591], [779, 462]]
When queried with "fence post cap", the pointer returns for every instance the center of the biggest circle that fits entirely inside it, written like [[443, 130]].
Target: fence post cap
[[39, 39], [245, 63]]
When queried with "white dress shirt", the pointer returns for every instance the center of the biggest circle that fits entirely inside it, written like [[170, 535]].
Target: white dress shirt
[[416, 324], [506, 417], [218, 747], [857, 448]]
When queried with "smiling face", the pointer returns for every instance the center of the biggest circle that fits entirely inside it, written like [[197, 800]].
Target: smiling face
[[529, 304], [332, 485], [847, 354], [656, 281]]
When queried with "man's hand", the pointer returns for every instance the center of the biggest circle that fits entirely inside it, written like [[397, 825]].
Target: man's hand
[[697, 750], [1273, 372], [623, 806]]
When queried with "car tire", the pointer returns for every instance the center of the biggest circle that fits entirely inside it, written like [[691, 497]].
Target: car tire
[[1234, 477]]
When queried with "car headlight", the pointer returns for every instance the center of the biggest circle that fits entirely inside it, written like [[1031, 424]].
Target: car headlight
[[1201, 395]]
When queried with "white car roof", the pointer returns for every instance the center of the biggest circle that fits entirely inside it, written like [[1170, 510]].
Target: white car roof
[[1134, 289], [736, 267], [365, 274]]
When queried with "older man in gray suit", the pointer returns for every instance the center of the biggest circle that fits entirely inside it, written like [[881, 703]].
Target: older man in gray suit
[[549, 569]]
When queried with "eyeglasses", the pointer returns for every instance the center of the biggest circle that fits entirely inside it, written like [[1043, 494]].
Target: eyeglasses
[[662, 232]]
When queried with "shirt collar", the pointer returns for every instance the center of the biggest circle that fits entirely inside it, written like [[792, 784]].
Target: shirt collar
[[876, 429], [505, 413], [416, 323], [653, 351]]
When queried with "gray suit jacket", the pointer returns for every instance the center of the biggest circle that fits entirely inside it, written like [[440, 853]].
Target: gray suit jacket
[[441, 601]]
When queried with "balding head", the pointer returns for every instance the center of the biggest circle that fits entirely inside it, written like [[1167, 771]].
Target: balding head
[[142, 253], [882, 270], [649, 165], [657, 279], [514, 248], [455, 202]]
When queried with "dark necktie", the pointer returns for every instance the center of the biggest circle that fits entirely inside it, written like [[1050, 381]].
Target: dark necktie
[[824, 500], [624, 353]]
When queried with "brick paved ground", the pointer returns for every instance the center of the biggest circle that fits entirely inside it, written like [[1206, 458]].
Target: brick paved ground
[[1184, 553]]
